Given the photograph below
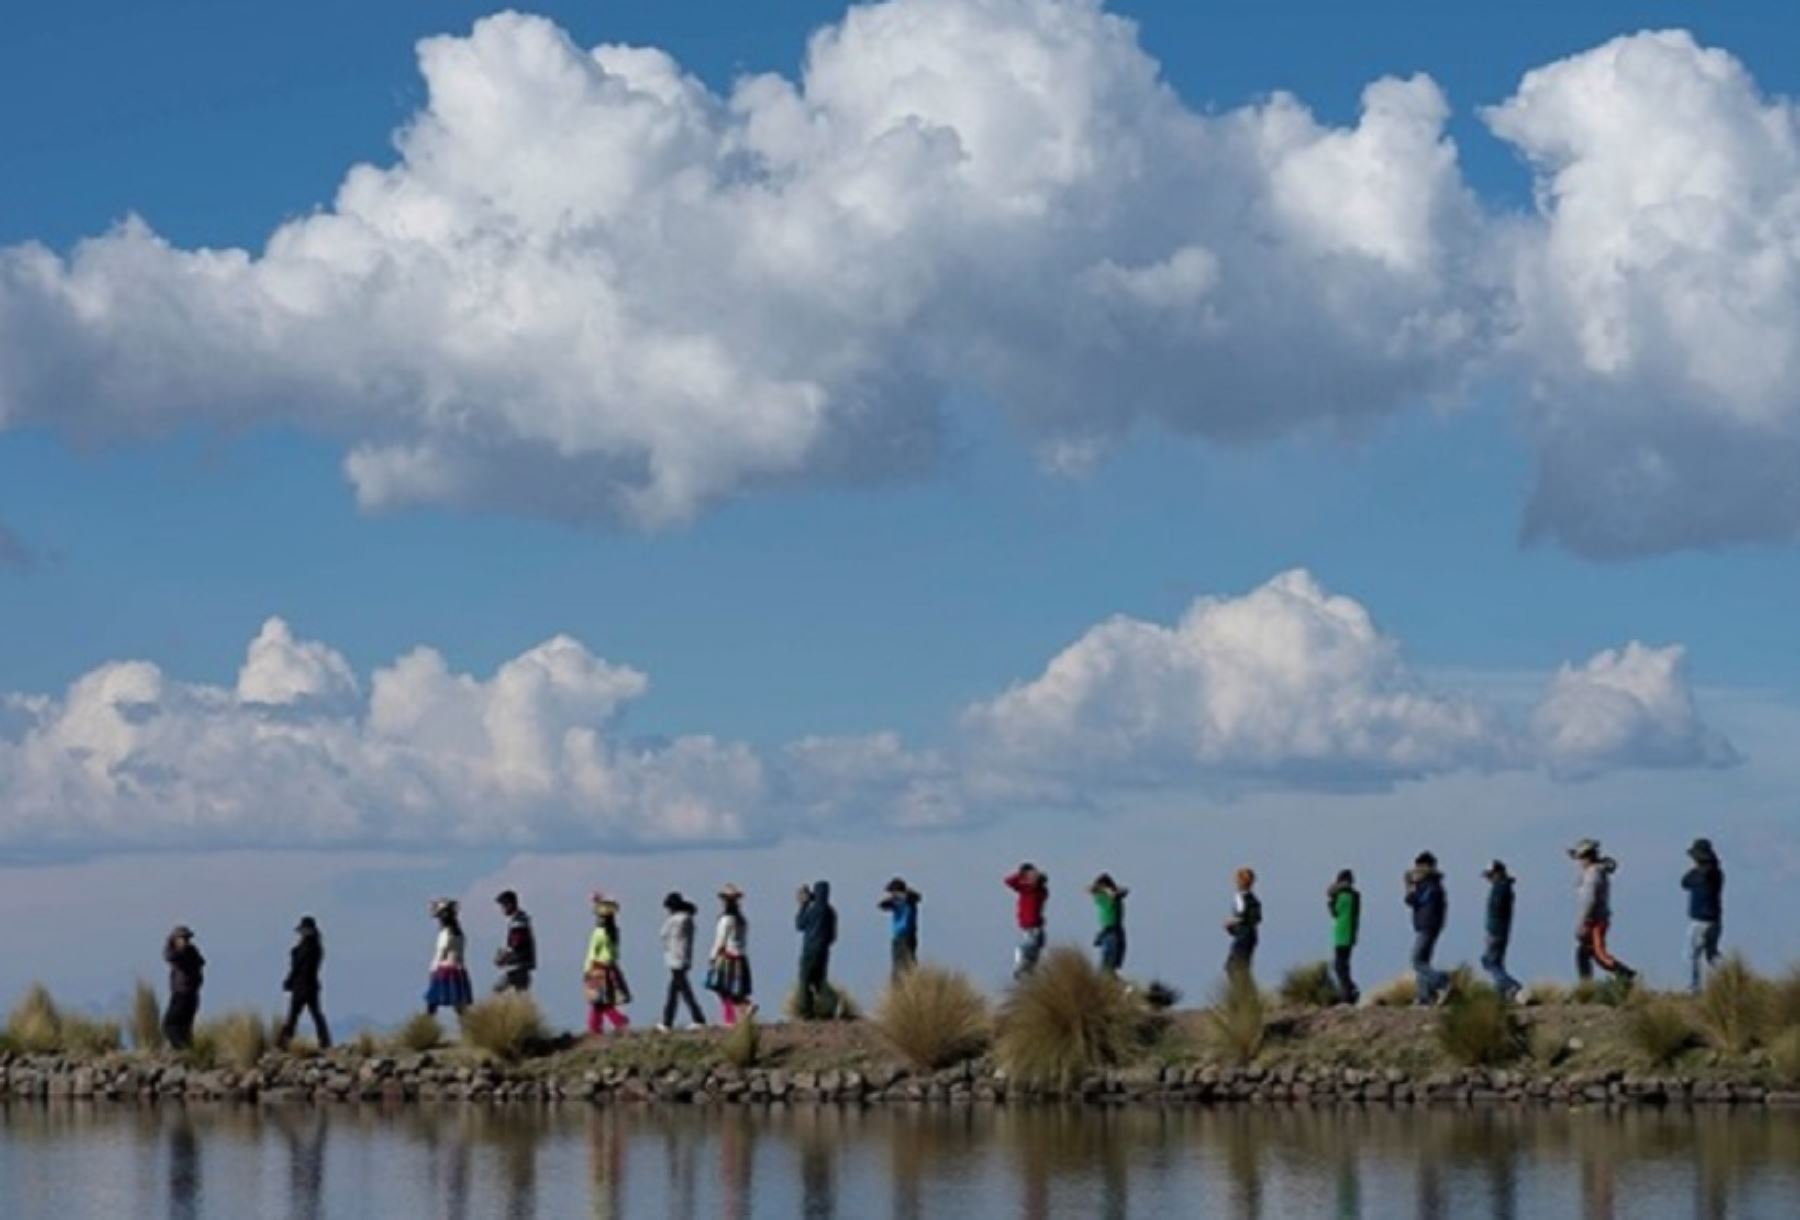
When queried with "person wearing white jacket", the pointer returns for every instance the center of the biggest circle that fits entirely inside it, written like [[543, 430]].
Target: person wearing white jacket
[[678, 956], [728, 970]]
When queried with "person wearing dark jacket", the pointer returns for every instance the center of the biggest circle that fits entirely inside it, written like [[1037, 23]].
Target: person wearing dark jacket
[[305, 960], [1345, 905], [1245, 925], [1705, 886], [901, 902], [517, 955], [816, 921], [1430, 908], [187, 974], [1499, 929]]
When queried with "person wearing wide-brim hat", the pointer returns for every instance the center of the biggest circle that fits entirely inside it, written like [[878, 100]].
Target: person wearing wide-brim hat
[[1499, 929], [678, 956], [448, 985], [1593, 917], [187, 975], [1705, 886], [901, 902], [305, 961], [604, 981], [728, 967]]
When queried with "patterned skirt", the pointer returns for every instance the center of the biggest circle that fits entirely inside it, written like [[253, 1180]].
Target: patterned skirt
[[729, 977], [449, 988], [607, 988]]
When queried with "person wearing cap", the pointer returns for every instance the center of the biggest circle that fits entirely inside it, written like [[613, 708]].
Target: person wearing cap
[[1705, 886], [1499, 929], [1430, 905], [816, 922], [305, 960], [901, 902], [1109, 909], [1344, 902], [1033, 890], [678, 956], [604, 982], [516, 958], [1593, 919], [448, 985], [187, 975], [728, 969], [1244, 926]]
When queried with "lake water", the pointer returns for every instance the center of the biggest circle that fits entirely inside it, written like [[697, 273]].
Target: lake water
[[76, 1161]]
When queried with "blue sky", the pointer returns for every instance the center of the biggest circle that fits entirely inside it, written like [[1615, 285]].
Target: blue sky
[[887, 595]]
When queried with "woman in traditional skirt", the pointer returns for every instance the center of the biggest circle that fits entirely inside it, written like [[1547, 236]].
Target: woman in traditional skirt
[[449, 987], [728, 974], [607, 991]]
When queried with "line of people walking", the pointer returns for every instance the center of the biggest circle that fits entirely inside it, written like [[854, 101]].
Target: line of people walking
[[728, 974]]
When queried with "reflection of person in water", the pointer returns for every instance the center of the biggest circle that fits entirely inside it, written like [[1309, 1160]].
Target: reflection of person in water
[[303, 1130], [737, 1163], [606, 1163], [184, 1170]]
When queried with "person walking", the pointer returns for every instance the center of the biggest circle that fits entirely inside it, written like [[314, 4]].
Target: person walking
[[1344, 903], [1033, 889], [816, 921], [516, 959], [728, 967], [1499, 930], [1109, 909], [678, 956], [1244, 925], [1430, 905], [305, 961], [901, 902], [1705, 886], [187, 975], [448, 986], [1593, 919], [603, 980]]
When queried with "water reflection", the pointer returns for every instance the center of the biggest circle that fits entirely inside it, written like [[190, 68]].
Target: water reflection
[[527, 1162]]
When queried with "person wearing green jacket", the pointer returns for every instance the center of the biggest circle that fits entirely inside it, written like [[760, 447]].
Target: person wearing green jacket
[[1109, 907], [1345, 905]]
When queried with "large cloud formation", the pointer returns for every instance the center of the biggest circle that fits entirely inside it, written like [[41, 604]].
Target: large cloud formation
[[591, 288], [1286, 686]]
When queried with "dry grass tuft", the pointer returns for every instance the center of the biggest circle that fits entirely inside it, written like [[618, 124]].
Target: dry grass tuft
[[35, 1024], [420, 1032], [1065, 1020], [933, 1017], [1478, 1028], [237, 1040], [835, 1004], [1545, 993], [1235, 1024], [1308, 986], [1736, 1005], [505, 1026], [1395, 993], [1784, 1002], [1784, 1055], [742, 1045], [146, 1018], [1658, 1028]]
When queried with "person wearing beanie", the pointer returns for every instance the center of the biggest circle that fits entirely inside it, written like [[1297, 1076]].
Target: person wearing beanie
[[1244, 925], [1430, 910], [1344, 903], [187, 975], [1593, 918], [1499, 930], [1109, 909], [603, 981], [678, 956], [516, 958], [901, 902], [1033, 890], [305, 961], [1705, 886]]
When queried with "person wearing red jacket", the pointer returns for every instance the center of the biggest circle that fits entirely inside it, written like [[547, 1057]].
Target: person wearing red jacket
[[1033, 889]]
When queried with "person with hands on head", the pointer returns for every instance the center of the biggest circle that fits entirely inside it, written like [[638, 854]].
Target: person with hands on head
[[1033, 889]]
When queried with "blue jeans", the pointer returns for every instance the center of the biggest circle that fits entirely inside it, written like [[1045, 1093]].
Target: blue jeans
[[1111, 943], [1703, 950], [1494, 962], [1427, 980], [1030, 948]]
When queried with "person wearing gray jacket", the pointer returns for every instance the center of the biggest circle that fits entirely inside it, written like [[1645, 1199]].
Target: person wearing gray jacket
[[678, 956]]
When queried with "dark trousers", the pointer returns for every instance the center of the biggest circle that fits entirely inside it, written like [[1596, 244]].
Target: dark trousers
[[905, 951], [305, 1002], [1111, 943], [1243, 953], [1340, 966], [815, 970], [1428, 980], [517, 978], [178, 1019], [681, 991]]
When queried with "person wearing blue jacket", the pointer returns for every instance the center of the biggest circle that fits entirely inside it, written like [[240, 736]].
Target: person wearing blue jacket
[[1499, 930], [1430, 908], [1705, 886], [816, 922], [901, 902]]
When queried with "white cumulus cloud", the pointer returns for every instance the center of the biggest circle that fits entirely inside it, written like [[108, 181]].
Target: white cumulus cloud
[[1626, 707]]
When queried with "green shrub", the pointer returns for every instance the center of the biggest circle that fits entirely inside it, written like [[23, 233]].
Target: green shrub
[[1308, 986], [146, 1018], [933, 1017], [835, 1004], [1478, 1028], [1735, 1005], [34, 1026], [420, 1032], [1659, 1030], [1066, 1019], [505, 1026], [742, 1045], [1235, 1023]]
